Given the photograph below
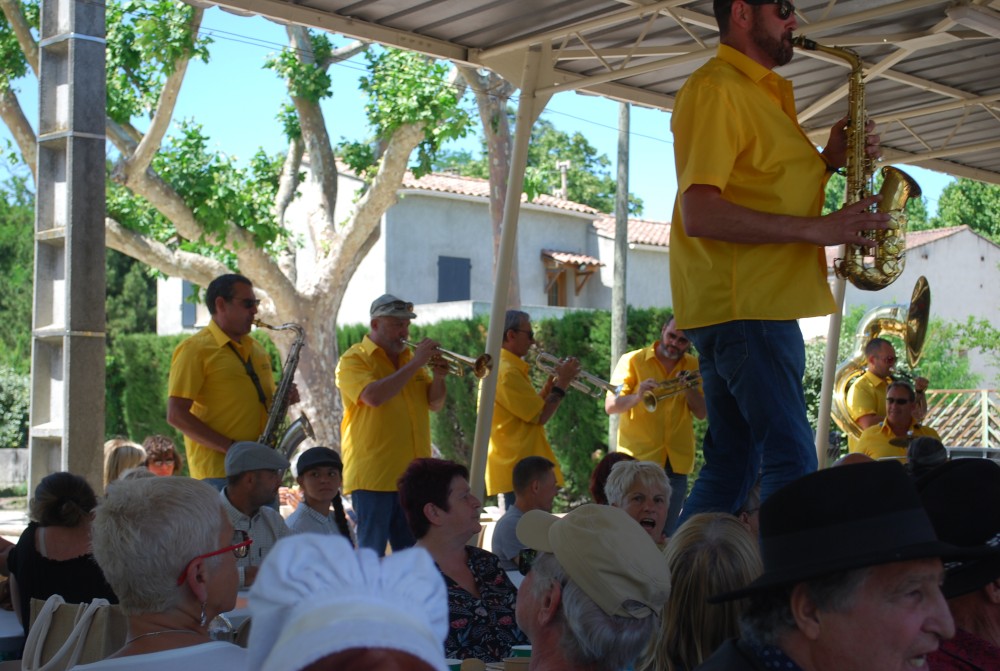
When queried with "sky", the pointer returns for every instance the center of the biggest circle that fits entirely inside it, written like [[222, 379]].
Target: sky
[[236, 101]]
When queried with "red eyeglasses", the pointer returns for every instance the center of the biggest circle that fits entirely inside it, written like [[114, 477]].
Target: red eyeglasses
[[239, 550]]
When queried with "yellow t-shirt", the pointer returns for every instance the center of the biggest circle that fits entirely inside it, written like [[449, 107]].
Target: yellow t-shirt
[[653, 436], [865, 397], [735, 128], [515, 433], [379, 443], [205, 370], [874, 440]]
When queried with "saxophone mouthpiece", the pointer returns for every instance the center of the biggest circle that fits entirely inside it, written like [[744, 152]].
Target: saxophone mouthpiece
[[803, 43]]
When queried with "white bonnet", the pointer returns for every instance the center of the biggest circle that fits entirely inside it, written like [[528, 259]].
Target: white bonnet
[[315, 595]]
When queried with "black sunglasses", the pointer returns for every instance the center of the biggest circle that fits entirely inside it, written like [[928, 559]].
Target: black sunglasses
[[525, 558], [785, 8], [246, 302]]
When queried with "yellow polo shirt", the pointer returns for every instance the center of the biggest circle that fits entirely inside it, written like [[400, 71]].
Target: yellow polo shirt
[[735, 128], [865, 397], [205, 370], [379, 443], [515, 433], [653, 436], [874, 440]]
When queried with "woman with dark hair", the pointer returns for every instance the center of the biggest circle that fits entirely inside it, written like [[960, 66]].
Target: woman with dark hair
[[53, 553], [443, 515], [320, 475], [162, 457], [599, 476]]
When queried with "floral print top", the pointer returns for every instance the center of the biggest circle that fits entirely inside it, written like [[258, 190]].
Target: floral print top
[[482, 628]]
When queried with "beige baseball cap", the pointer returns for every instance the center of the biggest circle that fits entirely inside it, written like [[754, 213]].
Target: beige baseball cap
[[606, 553]]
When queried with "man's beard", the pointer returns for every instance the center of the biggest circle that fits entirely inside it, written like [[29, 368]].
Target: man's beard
[[780, 51]]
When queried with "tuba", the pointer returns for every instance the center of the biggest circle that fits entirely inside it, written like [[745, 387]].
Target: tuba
[[300, 429], [865, 269], [906, 322]]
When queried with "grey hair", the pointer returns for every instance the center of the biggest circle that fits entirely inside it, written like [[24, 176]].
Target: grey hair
[[591, 637], [145, 532], [768, 616], [624, 475], [512, 319]]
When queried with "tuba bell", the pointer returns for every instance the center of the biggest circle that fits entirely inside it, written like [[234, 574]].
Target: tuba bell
[[906, 322]]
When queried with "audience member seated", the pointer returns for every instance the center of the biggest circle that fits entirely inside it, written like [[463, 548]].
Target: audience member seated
[[53, 554], [852, 575], [641, 489], [162, 457], [320, 474], [318, 604], [592, 597], [535, 488], [890, 437], [120, 454], [136, 473], [169, 551], [253, 474], [709, 554], [599, 476], [923, 455], [443, 515], [962, 498]]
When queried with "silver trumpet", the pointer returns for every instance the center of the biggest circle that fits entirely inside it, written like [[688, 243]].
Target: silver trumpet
[[589, 384], [669, 388], [480, 366]]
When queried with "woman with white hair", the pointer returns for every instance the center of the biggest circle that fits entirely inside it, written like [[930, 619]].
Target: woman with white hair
[[169, 551], [641, 489]]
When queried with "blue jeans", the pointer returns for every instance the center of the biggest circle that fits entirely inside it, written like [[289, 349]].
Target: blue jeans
[[678, 491], [752, 378], [381, 520]]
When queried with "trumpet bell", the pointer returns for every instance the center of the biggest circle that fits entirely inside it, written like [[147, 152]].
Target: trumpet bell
[[669, 388]]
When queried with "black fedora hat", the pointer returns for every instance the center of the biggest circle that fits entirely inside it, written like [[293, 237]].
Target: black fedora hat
[[962, 498], [840, 519]]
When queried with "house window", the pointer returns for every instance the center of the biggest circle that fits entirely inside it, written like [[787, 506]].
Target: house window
[[557, 287], [454, 279]]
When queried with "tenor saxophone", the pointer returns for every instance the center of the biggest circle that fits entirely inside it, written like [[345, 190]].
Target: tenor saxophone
[[300, 429], [878, 268]]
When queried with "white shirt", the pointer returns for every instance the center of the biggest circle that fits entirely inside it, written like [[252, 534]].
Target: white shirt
[[214, 656]]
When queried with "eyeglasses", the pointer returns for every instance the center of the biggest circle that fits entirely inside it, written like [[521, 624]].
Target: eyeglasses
[[525, 558], [246, 302], [785, 8], [897, 401], [530, 332], [163, 462], [239, 550]]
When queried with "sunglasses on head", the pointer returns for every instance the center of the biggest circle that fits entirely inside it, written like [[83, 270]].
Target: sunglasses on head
[[785, 8]]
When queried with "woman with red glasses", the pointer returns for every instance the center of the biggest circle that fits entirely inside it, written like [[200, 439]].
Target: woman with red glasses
[[169, 551]]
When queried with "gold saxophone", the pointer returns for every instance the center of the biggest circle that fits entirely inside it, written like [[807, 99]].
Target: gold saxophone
[[878, 268], [300, 429]]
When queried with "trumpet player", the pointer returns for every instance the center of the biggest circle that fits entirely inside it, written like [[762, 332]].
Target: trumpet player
[[746, 249], [666, 435], [388, 395], [520, 412]]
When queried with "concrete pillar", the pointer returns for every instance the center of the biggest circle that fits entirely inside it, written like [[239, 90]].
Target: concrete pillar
[[67, 372]]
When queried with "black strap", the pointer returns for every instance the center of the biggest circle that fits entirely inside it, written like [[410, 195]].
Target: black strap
[[248, 366]]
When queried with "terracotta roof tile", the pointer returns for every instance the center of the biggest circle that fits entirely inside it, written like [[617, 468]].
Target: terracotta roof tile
[[571, 258], [640, 231], [474, 186]]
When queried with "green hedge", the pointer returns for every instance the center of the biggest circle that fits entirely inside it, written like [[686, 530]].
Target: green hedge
[[14, 402]]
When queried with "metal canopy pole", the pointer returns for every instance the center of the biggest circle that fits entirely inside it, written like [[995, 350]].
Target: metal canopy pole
[[67, 353], [829, 367], [528, 108]]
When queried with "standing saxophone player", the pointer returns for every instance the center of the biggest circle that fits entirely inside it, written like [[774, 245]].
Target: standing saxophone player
[[747, 256], [387, 394], [221, 383]]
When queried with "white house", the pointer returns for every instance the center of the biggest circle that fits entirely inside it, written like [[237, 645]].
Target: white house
[[436, 249]]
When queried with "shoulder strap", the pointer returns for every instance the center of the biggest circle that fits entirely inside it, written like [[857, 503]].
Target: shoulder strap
[[248, 366]]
